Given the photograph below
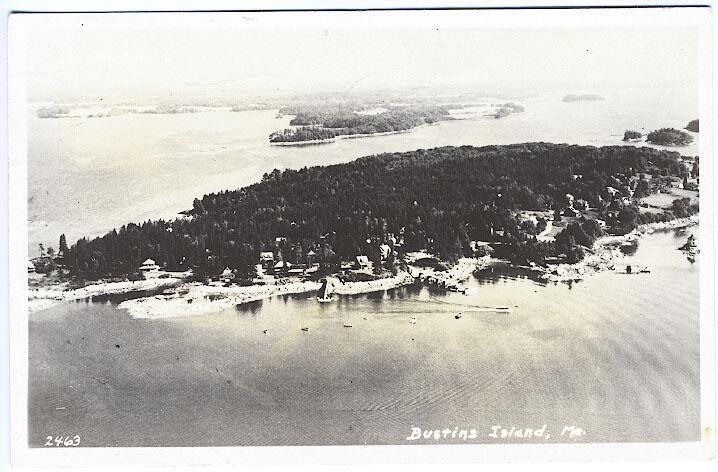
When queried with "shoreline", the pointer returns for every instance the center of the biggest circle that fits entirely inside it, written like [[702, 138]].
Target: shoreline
[[605, 252], [602, 258], [350, 136], [194, 298], [45, 297]]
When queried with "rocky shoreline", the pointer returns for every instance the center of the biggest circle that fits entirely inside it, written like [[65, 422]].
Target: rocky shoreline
[[606, 253]]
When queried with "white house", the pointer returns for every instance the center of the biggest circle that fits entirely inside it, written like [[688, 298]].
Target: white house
[[227, 275], [149, 266]]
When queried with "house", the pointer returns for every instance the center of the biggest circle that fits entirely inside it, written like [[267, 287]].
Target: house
[[227, 275], [310, 256], [571, 211], [149, 266], [362, 262], [385, 250], [266, 259], [480, 247], [282, 267]]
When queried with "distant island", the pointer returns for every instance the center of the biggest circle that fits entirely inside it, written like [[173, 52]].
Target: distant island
[[507, 109], [692, 126], [582, 98], [53, 112], [326, 122], [669, 137], [631, 135], [451, 202]]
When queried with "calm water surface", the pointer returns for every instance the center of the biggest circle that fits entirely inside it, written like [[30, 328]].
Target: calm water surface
[[89, 175], [616, 355]]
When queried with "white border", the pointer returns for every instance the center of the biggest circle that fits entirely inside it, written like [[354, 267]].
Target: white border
[[22, 455]]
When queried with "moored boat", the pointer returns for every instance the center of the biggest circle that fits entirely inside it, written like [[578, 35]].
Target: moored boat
[[325, 294]]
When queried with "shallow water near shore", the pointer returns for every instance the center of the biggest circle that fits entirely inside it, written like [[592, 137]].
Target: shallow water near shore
[[616, 355]]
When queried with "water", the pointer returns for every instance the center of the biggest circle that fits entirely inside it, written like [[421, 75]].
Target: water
[[89, 175], [615, 355]]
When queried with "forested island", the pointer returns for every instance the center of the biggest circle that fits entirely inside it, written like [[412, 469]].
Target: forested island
[[582, 98], [507, 109], [444, 200], [327, 122], [693, 125], [631, 135], [669, 137]]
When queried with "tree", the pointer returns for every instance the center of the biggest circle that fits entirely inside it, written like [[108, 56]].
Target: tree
[[62, 245]]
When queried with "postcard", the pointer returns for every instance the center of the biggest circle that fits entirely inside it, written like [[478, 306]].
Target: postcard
[[361, 236]]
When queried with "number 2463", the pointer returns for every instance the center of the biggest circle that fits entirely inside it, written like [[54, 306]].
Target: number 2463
[[62, 441]]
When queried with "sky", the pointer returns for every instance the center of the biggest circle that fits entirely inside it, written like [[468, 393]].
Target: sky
[[88, 61]]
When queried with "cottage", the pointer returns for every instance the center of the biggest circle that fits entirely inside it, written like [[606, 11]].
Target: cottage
[[227, 275], [362, 262], [266, 259], [282, 267], [571, 211], [149, 266], [310, 256]]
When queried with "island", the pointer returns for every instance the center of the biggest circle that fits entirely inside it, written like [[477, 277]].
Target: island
[[53, 112], [631, 135], [669, 137], [506, 109], [381, 221], [326, 122], [693, 125], [582, 98]]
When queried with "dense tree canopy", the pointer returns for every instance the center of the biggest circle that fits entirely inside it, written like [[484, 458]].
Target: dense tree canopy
[[439, 199], [328, 122], [631, 135], [669, 137]]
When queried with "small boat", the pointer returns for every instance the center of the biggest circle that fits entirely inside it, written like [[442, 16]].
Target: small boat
[[305, 329], [412, 320], [265, 331], [457, 316], [503, 309], [325, 294], [347, 324]]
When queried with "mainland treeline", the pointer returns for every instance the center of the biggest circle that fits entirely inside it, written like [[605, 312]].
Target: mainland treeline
[[440, 199], [330, 121]]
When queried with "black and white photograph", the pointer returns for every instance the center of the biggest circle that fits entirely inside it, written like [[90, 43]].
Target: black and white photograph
[[402, 228]]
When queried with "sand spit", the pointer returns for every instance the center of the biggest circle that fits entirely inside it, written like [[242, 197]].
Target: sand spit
[[45, 297]]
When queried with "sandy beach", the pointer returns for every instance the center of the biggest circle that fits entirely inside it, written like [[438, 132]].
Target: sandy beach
[[199, 299], [44, 297]]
